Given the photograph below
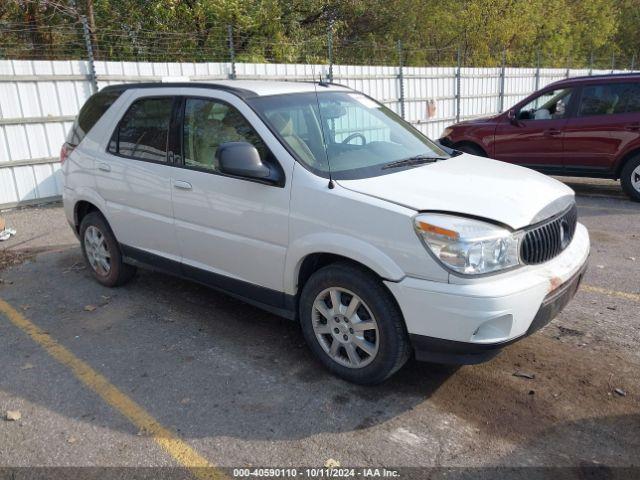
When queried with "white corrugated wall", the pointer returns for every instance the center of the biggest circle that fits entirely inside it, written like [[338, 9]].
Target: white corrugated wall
[[39, 100]]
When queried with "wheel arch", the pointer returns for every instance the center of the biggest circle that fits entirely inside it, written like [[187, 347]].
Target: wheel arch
[[312, 253], [315, 261], [81, 210], [624, 159], [81, 202]]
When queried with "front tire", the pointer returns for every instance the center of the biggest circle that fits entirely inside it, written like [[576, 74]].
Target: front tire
[[630, 178], [102, 252], [353, 325]]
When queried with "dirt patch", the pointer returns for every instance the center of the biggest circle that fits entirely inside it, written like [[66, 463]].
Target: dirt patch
[[569, 384], [598, 237], [9, 258]]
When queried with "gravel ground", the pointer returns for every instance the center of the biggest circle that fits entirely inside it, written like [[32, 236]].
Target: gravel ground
[[241, 388]]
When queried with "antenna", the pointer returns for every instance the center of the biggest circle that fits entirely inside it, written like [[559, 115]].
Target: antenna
[[324, 140]]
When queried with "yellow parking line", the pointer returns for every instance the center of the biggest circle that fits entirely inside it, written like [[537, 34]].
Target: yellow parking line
[[611, 293], [177, 448]]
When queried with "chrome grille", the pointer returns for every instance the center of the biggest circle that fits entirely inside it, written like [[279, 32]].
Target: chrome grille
[[545, 241]]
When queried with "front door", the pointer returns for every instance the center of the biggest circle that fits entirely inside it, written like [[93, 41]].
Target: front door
[[134, 177], [233, 232], [534, 137]]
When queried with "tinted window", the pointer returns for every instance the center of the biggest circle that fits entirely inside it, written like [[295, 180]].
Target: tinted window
[[90, 113], [551, 105], [207, 125], [609, 99], [144, 129]]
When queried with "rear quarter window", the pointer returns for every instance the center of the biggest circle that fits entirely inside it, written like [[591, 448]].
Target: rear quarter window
[[609, 99], [90, 113], [143, 132]]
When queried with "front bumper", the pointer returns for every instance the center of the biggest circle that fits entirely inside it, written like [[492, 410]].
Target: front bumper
[[437, 350], [470, 321]]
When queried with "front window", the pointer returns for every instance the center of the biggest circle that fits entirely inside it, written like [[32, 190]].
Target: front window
[[210, 123], [550, 105], [345, 134]]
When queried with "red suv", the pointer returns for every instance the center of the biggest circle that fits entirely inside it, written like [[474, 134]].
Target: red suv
[[581, 126]]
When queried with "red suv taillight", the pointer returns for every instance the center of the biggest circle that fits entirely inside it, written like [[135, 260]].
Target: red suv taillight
[[65, 151]]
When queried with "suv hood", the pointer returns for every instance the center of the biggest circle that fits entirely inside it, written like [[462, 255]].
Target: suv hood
[[477, 186], [479, 120]]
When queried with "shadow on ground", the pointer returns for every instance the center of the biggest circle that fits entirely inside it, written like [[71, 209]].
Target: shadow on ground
[[198, 359]]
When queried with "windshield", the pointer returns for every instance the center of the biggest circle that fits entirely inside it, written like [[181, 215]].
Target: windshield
[[343, 133]]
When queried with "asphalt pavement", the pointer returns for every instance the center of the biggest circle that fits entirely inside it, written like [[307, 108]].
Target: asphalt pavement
[[163, 372]]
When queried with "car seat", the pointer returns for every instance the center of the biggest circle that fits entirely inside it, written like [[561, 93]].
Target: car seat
[[284, 125]]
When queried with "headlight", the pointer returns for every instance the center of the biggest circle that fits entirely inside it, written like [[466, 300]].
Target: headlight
[[468, 246], [446, 132]]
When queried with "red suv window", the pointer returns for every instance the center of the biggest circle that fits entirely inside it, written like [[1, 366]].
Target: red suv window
[[609, 99]]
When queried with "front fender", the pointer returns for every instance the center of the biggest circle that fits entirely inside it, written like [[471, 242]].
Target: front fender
[[337, 244]]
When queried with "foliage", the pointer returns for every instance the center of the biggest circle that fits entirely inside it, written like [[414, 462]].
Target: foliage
[[432, 32]]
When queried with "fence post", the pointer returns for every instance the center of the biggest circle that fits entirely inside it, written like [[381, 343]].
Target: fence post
[[401, 77], [330, 49], [89, 46], [613, 61], [502, 75], [633, 62], [232, 52], [458, 82], [591, 64], [568, 71], [537, 71]]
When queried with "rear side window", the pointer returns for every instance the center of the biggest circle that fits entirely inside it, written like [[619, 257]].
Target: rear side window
[[90, 113], [609, 99], [143, 132]]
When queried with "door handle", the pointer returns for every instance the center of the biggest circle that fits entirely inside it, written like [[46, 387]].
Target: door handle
[[632, 127], [552, 132], [105, 167], [182, 185]]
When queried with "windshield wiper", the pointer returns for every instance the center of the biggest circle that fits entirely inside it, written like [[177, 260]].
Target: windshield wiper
[[408, 162]]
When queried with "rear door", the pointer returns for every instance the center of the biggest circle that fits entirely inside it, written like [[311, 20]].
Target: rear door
[[133, 175], [535, 137], [232, 231], [607, 122]]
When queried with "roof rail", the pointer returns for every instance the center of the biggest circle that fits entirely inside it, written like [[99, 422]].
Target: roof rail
[[601, 75], [240, 92]]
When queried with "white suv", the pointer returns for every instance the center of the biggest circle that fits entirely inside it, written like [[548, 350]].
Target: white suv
[[317, 203]]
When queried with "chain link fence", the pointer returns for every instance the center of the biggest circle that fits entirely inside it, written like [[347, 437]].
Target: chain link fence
[[73, 39]]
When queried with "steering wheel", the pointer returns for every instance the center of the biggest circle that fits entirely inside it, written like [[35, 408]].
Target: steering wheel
[[355, 135]]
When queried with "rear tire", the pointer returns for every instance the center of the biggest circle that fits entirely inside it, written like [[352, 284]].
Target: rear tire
[[102, 252], [471, 149], [630, 178], [364, 344]]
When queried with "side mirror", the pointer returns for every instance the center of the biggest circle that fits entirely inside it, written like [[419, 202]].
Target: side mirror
[[513, 117], [241, 159]]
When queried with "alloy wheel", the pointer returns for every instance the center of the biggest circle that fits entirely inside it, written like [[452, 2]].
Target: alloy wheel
[[345, 327], [97, 251], [635, 178]]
